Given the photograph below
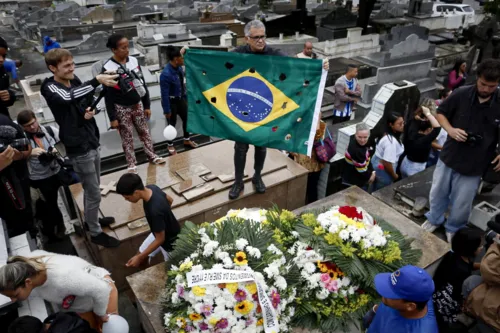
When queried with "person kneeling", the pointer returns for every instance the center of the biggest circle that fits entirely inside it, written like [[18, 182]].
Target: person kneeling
[[157, 208]]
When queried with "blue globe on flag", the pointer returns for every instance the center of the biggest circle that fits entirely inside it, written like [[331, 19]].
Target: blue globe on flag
[[249, 99]]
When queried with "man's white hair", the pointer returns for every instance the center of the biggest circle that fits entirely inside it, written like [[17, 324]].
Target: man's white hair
[[362, 127], [256, 24]]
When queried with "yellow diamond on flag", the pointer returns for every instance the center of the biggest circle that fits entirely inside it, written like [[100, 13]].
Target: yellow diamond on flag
[[249, 100]]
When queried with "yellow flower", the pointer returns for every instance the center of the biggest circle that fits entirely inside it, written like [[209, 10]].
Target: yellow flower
[[195, 317], [198, 291], [213, 321], [319, 231], [232, 287], [182, 321], [240, 258], [322, 267], [309, 220], [252, 288], [287, 215], [186, 266], [260, 322], [244, 307]]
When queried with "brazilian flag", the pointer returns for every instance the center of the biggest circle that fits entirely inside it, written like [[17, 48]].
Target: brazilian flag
[[266, 101]]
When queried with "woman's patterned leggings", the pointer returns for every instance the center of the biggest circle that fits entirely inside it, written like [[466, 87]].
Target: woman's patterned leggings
[[130, 117]]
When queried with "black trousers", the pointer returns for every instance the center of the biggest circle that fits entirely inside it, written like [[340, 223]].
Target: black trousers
[[312, 186], [18, 217], [240, 159], [49, 188], [178, 107]]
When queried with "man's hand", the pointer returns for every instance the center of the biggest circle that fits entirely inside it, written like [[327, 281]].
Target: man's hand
[[114, 124], [183, 50], [167, 115], [37, 151], [107, 79], [326, 64], [7, 157], [457, 134], [147, 112], [135, 261], [497, 162], [4, 95], [105, 318], [89, 114], [372, 178]]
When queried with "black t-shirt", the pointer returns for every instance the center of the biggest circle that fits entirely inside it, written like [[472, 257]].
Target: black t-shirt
[[160, 217], [418, 146], [463, 110]]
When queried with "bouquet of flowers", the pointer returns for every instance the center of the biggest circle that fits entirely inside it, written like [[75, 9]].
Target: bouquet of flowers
[[228, 277], [246, 214]]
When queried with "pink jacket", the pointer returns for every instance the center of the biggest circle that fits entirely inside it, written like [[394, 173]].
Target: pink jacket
[[453, 81]]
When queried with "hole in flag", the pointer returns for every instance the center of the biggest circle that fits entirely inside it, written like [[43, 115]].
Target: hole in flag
[[198, 101], [229, 65], [212, 117], [288, 137], [299, 120], [298, 93], [306, 83], [252, 70], [213, 99], [282, 77], [204, 72], [275, 128], [284, 105], [245, 113]]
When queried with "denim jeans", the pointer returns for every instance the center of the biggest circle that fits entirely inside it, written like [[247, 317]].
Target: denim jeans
[[88, 169], [382, 178], [453, 190], [409, 168], [433, 157]]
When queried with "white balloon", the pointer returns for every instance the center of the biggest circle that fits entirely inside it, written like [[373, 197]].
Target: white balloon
[[115, 324], [170, 133]]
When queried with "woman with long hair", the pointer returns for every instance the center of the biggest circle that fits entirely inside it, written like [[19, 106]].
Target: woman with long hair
[[387, 152], [358, 170], [128, 103], [69, 282], [457, 76]]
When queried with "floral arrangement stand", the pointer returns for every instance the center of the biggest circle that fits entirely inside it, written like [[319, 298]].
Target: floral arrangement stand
[[283, 177], [258, 270]]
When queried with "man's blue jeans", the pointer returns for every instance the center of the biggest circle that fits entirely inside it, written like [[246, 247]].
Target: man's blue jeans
[[453, 190]]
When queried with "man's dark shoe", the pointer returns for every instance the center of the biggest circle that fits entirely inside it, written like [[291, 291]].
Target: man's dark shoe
[[236, 190], [260, 187], [105, 240], [106, 221]]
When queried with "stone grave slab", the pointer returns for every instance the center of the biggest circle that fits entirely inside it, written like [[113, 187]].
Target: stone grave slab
[[418, 185], [187, 184], [148, 284], [198, 169]]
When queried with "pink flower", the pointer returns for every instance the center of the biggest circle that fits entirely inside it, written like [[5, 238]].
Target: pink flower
[[240, 295], [332, 286], [206, 309], [275, 299], [325, 277], [180, 291]]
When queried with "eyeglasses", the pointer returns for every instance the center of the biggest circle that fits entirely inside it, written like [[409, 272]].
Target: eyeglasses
[[257, 38]]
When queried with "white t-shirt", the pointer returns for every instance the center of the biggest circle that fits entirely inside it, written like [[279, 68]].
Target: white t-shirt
[[442, 136], [389, 149]]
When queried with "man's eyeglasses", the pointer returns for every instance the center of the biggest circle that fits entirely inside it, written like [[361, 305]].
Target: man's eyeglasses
[[257, 38]]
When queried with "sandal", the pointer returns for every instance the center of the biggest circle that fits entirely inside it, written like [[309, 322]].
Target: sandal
[[171, 150], [132, 169], [158, 160], [191, 144]]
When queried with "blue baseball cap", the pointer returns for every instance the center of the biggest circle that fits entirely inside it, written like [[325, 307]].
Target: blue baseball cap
[[410, 283]]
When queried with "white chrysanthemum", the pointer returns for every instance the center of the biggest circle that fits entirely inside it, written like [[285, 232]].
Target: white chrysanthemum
[[344, 234], [228, 263], [355, 236], [174, 268], [179, 278], [280, 283], [210, 247], [322, 294], [241, 243], [194, 255], [310, 267], [201, 231], [272, 270], [274, 249], [221, 254], [345, 281], [218, 266], [334, 228], [295, 234], [175, 298], [367, 244], [167, 318], [343, 292], [196, 268], [351, 290], [254, 252]]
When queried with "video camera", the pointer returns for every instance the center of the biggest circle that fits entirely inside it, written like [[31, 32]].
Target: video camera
[[473, 139], [8, 136], [130, 79], [51, 155]]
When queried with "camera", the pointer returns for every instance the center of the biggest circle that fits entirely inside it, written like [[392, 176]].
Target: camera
[[125, 80], [50, 156], [22, 144], [473, 139]]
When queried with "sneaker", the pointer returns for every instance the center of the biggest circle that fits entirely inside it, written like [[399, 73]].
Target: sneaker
[[106, 221], [427, 226], [449, 236], [171, 150], [236, 190], [260, 187], [105, 240], [158, 160], [132, 169]]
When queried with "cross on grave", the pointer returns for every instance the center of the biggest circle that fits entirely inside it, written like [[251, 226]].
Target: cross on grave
[[106, 188]]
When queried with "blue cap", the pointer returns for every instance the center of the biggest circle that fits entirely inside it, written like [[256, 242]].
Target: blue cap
[[410, 283]]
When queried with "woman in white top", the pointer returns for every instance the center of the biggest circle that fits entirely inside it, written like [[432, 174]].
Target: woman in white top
[[69, 282], [389, 149]]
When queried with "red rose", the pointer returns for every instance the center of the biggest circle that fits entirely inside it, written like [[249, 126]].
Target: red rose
[[351, 212]]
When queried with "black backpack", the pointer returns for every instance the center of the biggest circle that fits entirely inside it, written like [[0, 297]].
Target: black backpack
[[67, 322]]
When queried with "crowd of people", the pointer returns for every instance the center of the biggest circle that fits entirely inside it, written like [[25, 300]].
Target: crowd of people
[[458, 133]]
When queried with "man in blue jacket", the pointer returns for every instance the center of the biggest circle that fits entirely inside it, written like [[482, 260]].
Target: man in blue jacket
[[49, 44]]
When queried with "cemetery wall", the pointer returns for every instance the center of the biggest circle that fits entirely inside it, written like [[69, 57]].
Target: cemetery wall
[[353, 45]]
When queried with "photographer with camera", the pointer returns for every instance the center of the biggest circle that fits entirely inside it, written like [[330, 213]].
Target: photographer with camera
[[15, 199], [127, 103], [44, 170], [71, 102], [471, 117]]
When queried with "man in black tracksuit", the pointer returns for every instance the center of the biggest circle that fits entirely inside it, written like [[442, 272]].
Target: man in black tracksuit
[[70, 101]]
